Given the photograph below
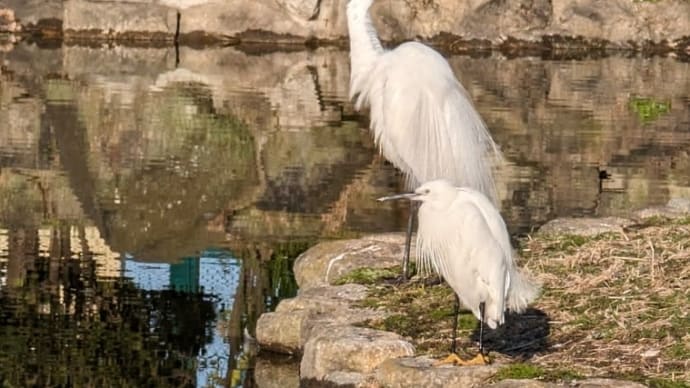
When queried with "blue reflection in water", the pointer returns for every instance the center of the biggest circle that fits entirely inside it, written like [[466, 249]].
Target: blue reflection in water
[[216, 274]]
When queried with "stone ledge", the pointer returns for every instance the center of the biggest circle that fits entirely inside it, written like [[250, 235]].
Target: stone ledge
[[641, 26]]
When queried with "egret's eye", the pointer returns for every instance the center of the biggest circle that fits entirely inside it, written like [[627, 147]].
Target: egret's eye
[[427, 191]]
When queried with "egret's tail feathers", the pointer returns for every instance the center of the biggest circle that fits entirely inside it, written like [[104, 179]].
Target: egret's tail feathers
[[522, 292]]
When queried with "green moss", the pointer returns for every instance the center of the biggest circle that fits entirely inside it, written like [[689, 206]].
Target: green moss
[[467, 321], [648, 109], [520, 371], [529, 371], [678, 351], [653, 382], [369, 275], [666, 383], [401, 324], [568, 241]]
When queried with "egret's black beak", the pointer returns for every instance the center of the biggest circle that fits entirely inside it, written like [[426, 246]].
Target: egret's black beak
[[409, 196]]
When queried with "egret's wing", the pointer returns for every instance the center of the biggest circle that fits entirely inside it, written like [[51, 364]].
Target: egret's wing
[[485, 257], [493, 219], [423, 117], [519, 290]]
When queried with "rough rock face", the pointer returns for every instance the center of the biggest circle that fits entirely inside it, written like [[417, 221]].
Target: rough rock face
[[584, 226], [281, 331], [350, 349], [288, 328], [620, 22], [8, 22], [274, 374], [588, 226], [589, 383], [402, 371], [676, 207], [326, 262]]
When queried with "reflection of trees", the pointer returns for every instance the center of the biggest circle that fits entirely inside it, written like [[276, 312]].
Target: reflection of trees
[[61, 326], [266, 277], [163, 178]]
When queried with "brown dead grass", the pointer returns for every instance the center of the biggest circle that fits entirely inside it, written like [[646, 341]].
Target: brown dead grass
[[614, 305], [618, 303]]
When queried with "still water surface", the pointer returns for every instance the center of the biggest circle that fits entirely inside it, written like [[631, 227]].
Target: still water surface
[[149, 212]]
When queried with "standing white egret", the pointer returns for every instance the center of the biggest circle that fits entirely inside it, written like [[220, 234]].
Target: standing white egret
[[422, 118], [463, 238]]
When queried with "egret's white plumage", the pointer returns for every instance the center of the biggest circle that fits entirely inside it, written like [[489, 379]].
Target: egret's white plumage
[[463, 237], [421, 116]]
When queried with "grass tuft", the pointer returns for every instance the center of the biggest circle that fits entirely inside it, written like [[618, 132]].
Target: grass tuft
[[369, 275]]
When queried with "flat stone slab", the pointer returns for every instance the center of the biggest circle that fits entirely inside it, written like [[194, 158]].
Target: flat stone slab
[[281, 332], [295, 320], [409, 372], [343, 348], [324, 298], [326, 262], [588, 383], [350, 380], [519, 383], [675, 208], [275, 374], [585, 226]]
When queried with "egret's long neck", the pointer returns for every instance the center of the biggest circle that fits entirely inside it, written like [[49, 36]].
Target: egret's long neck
[[365, 45]]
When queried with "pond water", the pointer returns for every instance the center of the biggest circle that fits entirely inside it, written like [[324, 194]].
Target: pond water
[[150, 210]]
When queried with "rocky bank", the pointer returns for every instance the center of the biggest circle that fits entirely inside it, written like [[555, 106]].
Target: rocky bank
[[635, 24], [323, 323]]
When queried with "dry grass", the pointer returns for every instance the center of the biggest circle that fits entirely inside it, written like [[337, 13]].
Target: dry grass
[[615, 305]]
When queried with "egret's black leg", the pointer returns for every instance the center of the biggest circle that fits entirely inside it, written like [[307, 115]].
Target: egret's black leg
[[456, 312], [482, 306], [453, 358], [408, 242]]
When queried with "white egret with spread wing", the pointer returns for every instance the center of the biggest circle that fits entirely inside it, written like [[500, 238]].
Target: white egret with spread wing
[[422, 118], [463, 238]]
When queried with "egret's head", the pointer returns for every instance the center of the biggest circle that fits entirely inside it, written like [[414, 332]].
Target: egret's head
[[438, 191]]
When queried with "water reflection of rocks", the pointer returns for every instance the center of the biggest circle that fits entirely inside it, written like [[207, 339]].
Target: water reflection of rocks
[[261, 154], [258, 145]]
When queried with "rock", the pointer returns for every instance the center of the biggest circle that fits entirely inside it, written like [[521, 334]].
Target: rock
[[349, 349], [620, 22], [269, 373], [606, 383], [33, 13], [324, 298], [409, 372], [282, 331], [518, 383], [302, 9], [679, 204], [8, 23], [114, 17], [675, 208], [585, 226], [288, 328], [350, 380], [328, 261], [589, 383]]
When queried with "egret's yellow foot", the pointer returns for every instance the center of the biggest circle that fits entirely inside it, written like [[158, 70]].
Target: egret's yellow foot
[[453, 358]]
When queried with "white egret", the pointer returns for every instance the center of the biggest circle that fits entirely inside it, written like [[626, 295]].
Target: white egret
[[463, 238], [421, 117]]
